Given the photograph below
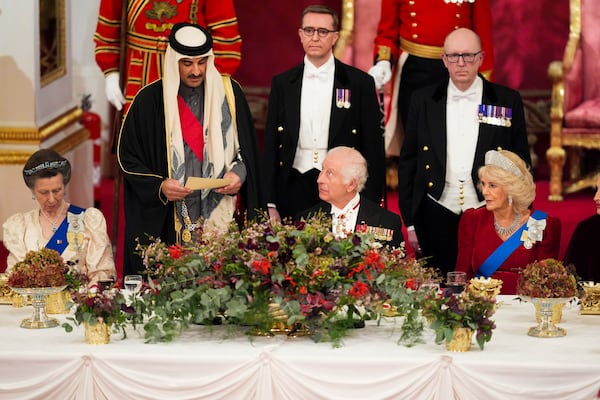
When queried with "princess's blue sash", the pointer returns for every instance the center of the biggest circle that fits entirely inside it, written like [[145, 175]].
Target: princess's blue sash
[[58, 241], [495, 260]]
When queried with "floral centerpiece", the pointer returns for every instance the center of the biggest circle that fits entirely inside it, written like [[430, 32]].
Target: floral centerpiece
[[41, 275], [46, 268], [548, 284], [322, 284], [448, 311], [42, 268], [547, 278], [99, 305]]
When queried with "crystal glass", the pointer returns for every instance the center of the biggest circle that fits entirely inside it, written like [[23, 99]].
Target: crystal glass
[[133, 283], [456, 281], [430, 286]]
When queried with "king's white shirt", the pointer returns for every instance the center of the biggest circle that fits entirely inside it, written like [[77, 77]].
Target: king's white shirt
[[343, 221]]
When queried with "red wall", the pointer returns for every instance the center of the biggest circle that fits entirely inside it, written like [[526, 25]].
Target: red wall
[[528, 34], [270, 42]]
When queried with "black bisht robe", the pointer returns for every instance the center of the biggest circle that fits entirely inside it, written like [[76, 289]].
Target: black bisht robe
[[142, 156]]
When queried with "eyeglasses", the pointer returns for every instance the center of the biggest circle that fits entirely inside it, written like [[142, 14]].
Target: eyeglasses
[[310, 31], [467, 57]]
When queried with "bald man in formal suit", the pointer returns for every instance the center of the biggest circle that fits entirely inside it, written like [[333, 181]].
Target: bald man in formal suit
[[450, 127]]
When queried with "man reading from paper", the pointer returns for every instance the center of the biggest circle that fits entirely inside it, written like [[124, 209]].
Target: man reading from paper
[[191, 123]]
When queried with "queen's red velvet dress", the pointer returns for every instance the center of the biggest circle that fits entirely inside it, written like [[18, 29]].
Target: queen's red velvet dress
[[477, 239]]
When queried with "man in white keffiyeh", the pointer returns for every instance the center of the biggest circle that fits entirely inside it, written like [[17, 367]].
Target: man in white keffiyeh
[[192, 123]]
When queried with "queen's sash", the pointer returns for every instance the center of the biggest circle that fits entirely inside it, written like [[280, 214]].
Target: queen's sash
[[58, 241], [495, 260]]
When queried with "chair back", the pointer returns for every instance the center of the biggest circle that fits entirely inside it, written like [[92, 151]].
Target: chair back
[[590, 48]]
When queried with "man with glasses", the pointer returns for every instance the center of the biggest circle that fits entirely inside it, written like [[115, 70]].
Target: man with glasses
[[319, 104], [450, 127], [408, 47]]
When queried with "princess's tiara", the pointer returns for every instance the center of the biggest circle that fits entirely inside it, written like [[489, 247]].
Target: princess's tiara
[[46, 165], [493, 157]]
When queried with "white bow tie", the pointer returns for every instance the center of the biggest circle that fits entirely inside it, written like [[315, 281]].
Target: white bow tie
[[464, 95], [321, 75]]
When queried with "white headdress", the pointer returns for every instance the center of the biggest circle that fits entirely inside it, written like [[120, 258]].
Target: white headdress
[[220, 146]]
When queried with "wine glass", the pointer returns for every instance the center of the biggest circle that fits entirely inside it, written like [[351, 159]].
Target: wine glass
[[106, 284], [133, 283], [456, 281], [430, 286]]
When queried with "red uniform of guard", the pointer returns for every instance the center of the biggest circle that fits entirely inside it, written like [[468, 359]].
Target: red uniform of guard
[[419, 27], [149, 24]]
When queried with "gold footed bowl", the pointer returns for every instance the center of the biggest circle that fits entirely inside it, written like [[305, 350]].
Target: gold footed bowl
[[547, 327], [461, 340], [557, 309], [39, 318]]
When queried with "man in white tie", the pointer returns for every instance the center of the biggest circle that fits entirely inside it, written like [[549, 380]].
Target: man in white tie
[[450, 127], [317, 105], [340, 184]]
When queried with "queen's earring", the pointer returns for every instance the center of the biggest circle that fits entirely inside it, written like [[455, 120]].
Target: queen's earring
[[510, 200]]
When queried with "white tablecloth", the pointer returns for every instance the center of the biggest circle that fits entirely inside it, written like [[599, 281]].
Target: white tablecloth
[[53, 364]]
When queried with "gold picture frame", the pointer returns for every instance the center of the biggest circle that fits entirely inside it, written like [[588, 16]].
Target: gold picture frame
[[52, 40]]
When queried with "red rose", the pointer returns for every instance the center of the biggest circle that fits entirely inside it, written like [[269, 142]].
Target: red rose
[[359, 289], [410, 284], [175, 251]]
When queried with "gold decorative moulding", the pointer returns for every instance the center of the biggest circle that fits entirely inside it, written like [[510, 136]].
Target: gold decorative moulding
[[590, 303], [6, 294], [486, 287]]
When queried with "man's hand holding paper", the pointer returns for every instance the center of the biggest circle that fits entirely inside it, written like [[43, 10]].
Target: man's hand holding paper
[[230, 183], [233, 186], [173, 190]]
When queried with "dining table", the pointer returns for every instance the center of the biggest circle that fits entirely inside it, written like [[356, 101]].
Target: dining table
[[223, 362]]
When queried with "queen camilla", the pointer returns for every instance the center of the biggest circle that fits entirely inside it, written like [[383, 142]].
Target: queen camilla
[[500, 239]]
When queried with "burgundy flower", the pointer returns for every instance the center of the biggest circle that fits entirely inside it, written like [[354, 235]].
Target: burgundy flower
[[272, 246]]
